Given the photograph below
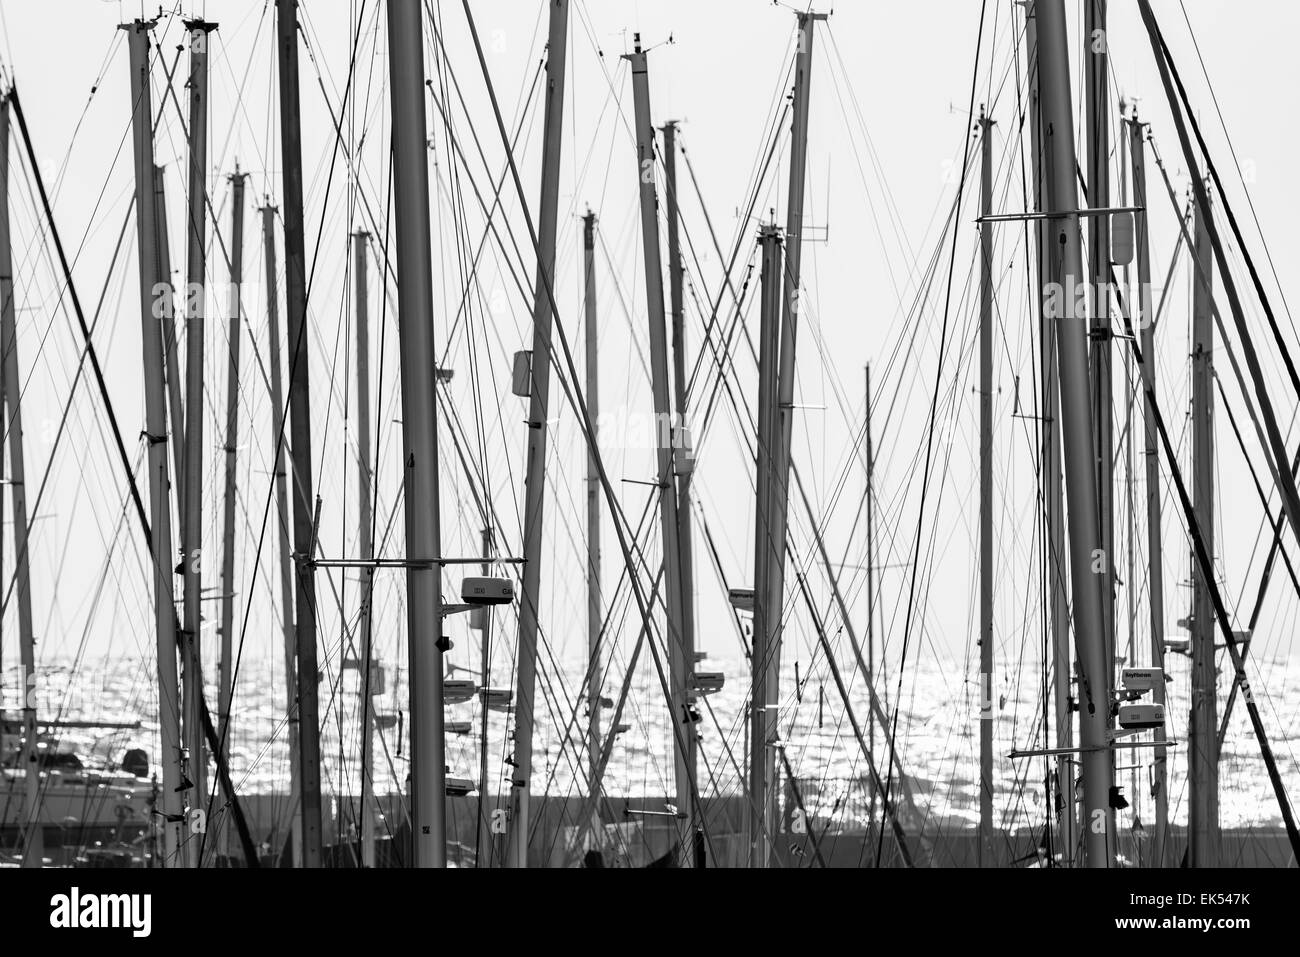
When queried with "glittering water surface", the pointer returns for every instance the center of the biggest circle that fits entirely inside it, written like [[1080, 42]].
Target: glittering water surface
[[937, 738]]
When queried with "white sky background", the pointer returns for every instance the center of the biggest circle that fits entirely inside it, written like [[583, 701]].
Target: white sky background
[[909, 69]]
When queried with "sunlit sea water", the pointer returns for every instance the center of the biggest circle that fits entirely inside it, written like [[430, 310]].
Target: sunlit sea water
[[937, 737]]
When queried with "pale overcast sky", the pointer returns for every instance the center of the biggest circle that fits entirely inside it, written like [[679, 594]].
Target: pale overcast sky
[[888, 126]]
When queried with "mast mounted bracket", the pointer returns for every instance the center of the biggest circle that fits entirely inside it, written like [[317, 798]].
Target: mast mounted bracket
[[1037, 215]]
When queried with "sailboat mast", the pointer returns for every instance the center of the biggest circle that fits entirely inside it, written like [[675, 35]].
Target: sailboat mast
[[288, 634], [365, 625], [481, 618], [192, 514], [685, 560], [425, 643], [295, 255], [987, 855], [232, 440], [666, 435], [172, 365], [152, 287], [1151, 465], [595, 678], [783, 425], [1097, 107], [761, 761], [33, 842], [1053, 506], [1203, 749], [871, 566], [1130, 657], [1088, 578], [538, 406]]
